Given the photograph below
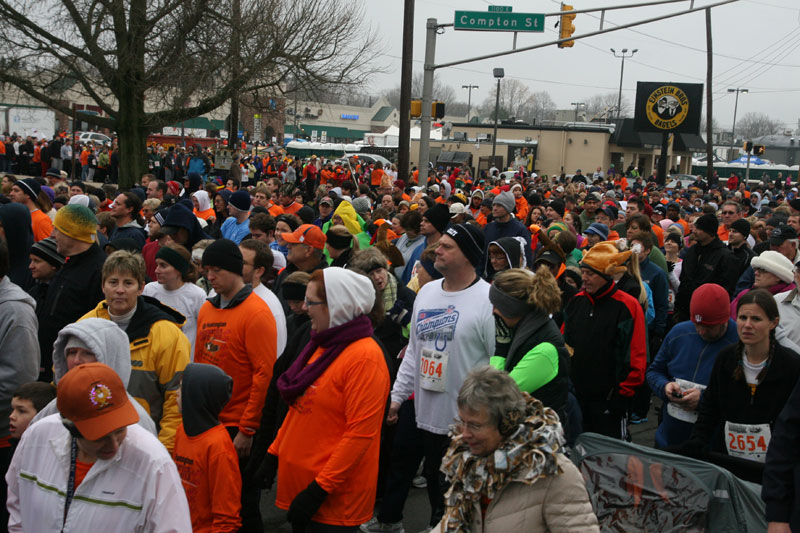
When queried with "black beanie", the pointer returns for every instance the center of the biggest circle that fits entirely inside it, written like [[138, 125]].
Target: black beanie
[[558, 206], [224, 253], [470, 240], [742, 226], [439, 216], [707, 223]]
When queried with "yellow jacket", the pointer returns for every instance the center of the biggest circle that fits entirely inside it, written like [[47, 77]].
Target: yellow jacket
[[159, 353]]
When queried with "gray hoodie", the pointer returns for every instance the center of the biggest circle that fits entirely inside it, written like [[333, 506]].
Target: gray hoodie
[[19, 345], [111, 347]]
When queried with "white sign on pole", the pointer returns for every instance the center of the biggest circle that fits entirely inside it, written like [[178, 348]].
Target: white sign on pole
[[313, 136], [324, 137]]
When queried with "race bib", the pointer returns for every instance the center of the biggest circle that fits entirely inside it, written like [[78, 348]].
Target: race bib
[[433, 370], [678, 412], [747, 441], [157, 164]]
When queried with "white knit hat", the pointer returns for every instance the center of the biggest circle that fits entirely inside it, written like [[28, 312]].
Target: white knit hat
[[774, 263]]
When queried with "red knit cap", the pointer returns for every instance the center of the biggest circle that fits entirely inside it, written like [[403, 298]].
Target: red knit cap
[[710, 305]]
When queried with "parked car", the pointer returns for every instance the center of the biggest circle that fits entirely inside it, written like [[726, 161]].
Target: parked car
[[372, 158], [681, 181], [94, 137]]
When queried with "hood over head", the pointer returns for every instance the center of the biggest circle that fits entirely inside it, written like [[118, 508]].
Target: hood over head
[[16, 222], [205, 390], [349, 216], [179, 216], [103, 338], [203, 201], [195, 183], [349, 295]]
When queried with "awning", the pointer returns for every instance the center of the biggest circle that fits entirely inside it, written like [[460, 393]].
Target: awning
[[689, 142], [201, 123], [625, 135], [453, 157]]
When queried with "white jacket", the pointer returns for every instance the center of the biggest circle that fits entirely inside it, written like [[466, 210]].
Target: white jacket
[[139, 490]]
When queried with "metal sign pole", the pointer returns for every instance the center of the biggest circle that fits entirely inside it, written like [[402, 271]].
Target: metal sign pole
[[427, 100]]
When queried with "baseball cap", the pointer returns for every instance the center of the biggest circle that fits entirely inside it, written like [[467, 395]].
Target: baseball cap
[[93, 398], [326, 200], [457, 209], [782, 233], [308, 234]]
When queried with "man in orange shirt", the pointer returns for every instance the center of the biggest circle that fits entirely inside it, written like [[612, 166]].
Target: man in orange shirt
[[286, 198], [27, 192], [236, 331]]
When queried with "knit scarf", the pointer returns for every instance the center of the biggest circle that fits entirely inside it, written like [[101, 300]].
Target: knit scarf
[[526, 456], [298, 377], [389, 292]]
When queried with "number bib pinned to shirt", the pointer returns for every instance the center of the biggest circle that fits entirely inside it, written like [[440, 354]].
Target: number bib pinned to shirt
[[433, 370], [747, 441]]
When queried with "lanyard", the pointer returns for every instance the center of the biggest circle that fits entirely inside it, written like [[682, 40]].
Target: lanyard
[[73, 457]]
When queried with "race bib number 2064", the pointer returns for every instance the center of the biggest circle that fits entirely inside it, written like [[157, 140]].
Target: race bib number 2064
[[433, 370]]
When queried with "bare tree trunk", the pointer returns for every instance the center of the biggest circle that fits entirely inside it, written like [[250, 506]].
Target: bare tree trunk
[[709, 102], [132, 140]]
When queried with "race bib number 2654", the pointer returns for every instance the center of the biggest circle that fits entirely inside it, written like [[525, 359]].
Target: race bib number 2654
[[748, 441]]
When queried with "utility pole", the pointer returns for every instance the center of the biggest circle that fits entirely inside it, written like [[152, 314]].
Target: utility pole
[[735, 109], [621, 73], [710, 180], [498, 73], [404, 143], [469, 96], [233, 129], [427, 99]]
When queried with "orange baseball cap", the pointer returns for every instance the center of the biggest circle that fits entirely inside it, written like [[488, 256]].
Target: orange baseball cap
[[308, 234], [93, 397]]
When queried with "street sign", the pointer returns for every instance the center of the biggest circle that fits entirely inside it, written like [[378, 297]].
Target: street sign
[[499, 21]]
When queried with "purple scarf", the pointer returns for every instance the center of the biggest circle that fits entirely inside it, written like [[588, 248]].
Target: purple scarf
[[298, 377]]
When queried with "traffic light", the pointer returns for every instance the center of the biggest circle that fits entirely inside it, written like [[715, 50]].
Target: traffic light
[[566, 27], [437, 109], [416, 108], [748, 146], [759, 149]]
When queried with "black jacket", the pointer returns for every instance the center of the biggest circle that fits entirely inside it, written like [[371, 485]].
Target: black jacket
[[743, 255], [781, 482], [712, 263], [729, 400], [534, 329], [290, 267], [74, 291]]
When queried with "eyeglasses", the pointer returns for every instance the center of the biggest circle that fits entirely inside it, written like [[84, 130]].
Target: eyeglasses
[[729, 212], [459, 425], [310, 303]]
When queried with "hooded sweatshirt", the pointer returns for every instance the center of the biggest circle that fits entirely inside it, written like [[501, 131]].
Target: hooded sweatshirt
[[19, 347], [109, 344], [514, 249], [182, 217], [204, 209], [16, 222], [159, 352], [204, 452]]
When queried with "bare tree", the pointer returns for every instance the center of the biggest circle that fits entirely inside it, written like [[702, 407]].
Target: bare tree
[[441, 91], [152, 63], [753, 125], [540, 106], [605, 105]]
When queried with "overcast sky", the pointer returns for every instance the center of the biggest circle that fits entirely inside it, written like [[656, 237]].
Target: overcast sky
[[756, 46]]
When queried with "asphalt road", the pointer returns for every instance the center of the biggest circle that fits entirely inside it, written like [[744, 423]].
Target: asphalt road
[[417, 511]]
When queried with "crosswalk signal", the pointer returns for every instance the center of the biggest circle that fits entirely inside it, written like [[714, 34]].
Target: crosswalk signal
[[759, 149], [437, 109], [748, 146], [416, 108], [566, 27]]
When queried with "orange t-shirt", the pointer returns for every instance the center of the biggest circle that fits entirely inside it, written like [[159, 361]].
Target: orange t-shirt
[[205, 215], [81, 469], [209, 470], [41, 224], [241, 340], [275, 210], [291, 209], [341, 413], [375, 177]]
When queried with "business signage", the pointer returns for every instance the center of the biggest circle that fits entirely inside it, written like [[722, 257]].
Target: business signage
[[345, 116], [668, 107]]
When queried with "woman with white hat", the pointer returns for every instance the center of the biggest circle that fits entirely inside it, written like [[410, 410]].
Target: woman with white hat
[[773, 272]]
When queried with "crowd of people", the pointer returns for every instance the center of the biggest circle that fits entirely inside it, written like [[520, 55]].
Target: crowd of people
[[172, 350]]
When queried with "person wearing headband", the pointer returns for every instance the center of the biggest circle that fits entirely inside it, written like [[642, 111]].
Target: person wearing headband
[[528, 344]]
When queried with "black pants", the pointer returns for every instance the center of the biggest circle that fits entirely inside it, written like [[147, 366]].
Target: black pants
[[5, 461], [251, 497], [411, 445], [597, 418]]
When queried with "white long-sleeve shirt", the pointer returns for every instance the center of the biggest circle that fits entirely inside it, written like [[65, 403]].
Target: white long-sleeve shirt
[[139, 490], [454, 329]]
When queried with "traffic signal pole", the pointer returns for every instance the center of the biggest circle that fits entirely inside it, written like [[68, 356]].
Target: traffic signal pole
[[427, 100]]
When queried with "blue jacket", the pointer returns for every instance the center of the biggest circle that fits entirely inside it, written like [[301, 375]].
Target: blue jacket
[[684, 355], [656, 279]]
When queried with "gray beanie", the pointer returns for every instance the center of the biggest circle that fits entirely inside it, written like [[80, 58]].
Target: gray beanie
[[361, 204], [506, 200]]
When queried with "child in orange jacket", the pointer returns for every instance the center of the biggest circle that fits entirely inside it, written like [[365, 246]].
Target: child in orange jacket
[[204, 452]]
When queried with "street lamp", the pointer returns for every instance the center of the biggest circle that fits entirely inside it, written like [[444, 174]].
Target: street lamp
[[469, 97], [498, 73], [577, 106], [621, 72], [735, 108]]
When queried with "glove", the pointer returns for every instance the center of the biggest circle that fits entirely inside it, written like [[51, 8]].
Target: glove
[[304, 505], [502, 337], [264, 476]]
